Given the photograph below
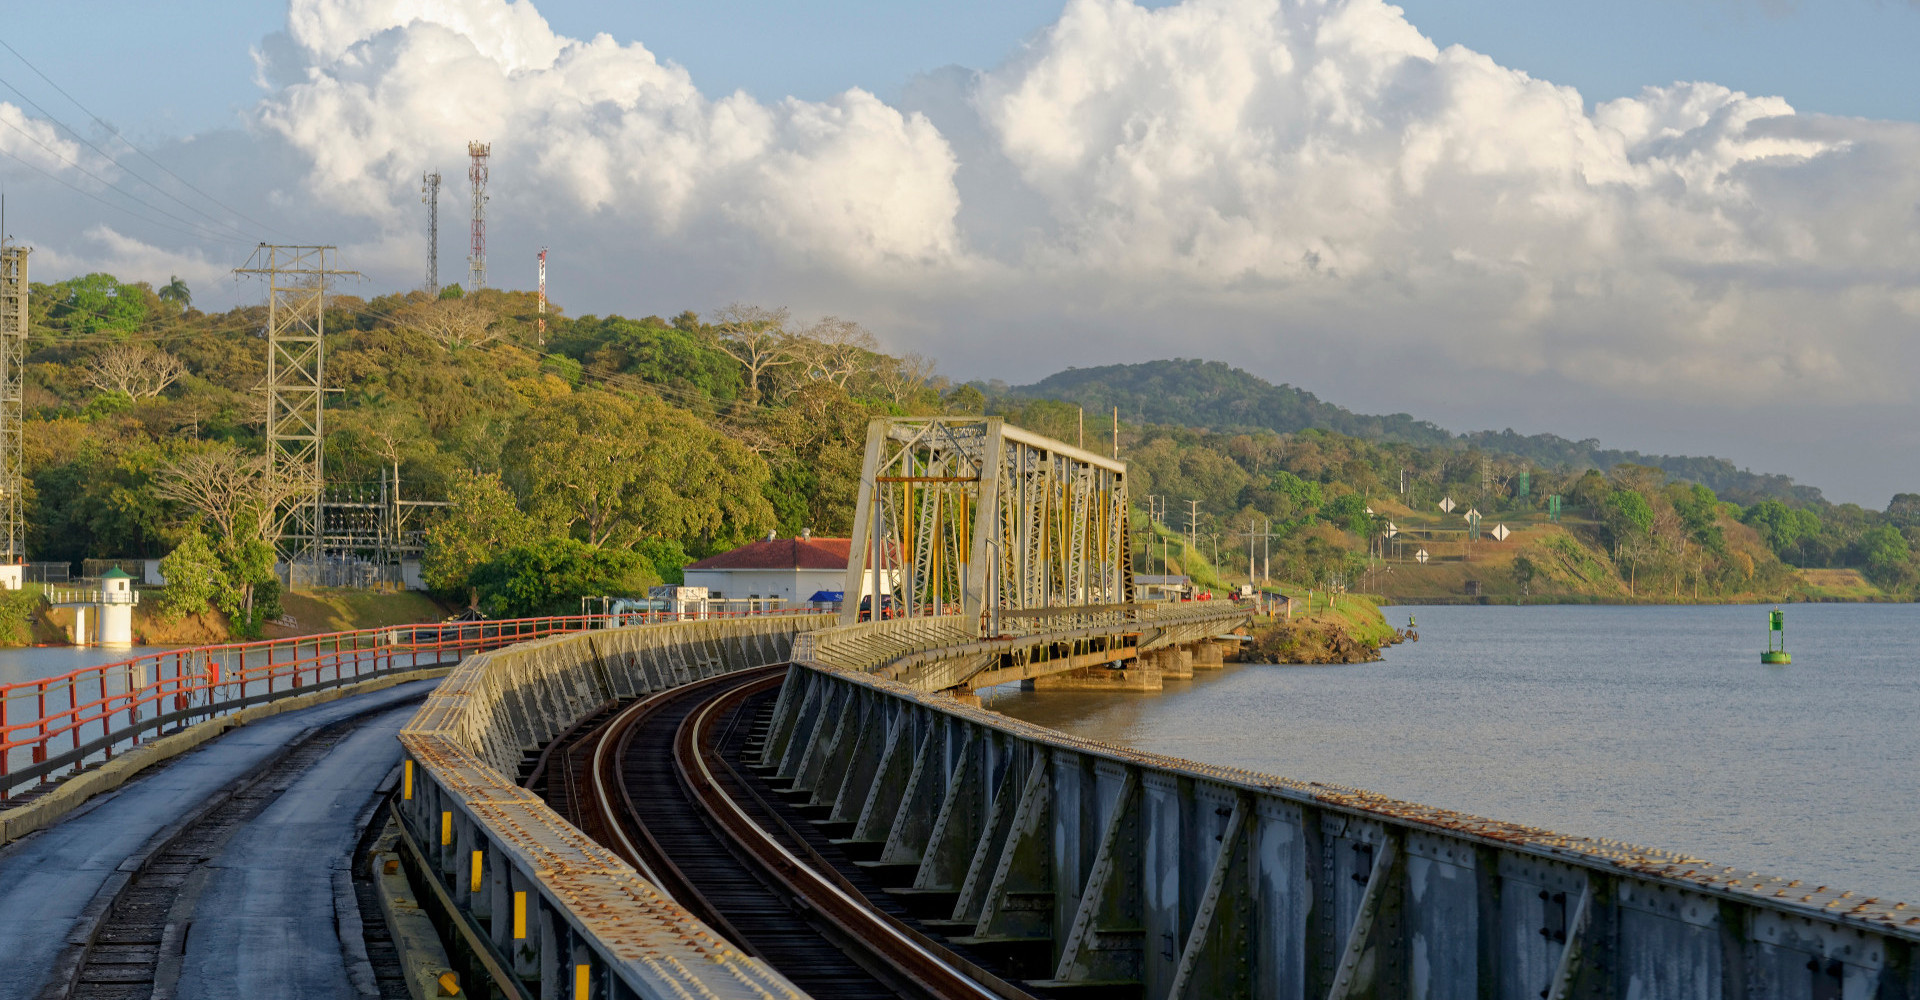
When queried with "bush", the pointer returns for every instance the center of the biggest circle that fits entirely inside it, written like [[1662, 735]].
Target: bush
[[16, 615], [549, 577], [195, 576]]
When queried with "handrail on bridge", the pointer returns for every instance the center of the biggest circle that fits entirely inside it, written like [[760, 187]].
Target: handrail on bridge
[[99, 710]]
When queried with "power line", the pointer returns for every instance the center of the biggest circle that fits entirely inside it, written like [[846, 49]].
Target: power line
[[109, 157], [203, 233], [76, 189], [129, 144]]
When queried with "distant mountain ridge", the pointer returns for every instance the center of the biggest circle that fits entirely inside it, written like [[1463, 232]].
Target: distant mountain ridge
[[1216, 396]]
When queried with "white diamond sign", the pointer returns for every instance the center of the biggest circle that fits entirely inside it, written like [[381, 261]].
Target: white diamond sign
[[1472, 515], [1369, 510], [1500, 533], [1421, 555], [1392, 529], [1446, 505]]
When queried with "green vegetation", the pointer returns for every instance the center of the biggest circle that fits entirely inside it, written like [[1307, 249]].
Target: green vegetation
[[17, 610], [624, 448], [603, 463]]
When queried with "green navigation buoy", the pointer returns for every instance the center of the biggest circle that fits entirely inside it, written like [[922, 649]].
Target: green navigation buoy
[[1776, 639]]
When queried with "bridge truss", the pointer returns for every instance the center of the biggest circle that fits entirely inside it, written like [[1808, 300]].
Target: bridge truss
[[976, 516]]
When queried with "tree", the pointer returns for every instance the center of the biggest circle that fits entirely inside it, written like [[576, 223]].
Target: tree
[[757, 338], [903, 378], [481, 521], [1524, 571], [1349, 512], [1782, 527], [236, 493], [134, 370], [619, 470], [454, 322], [550, 576], [196, 580], [99, 303], [834, 350], [1626, 514], [177, 293]]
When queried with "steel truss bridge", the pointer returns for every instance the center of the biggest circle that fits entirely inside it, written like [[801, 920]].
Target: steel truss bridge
[[811, 805]]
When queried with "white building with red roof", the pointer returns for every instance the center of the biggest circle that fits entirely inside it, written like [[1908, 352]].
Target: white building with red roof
[[791, 570]]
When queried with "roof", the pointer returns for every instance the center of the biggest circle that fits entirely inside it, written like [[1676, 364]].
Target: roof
[[783, 553], [115, 573]]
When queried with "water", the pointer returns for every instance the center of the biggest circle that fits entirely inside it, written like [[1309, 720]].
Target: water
[[34, 663], [1657, 726]]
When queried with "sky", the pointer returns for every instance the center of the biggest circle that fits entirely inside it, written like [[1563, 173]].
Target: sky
[[1687, 227]]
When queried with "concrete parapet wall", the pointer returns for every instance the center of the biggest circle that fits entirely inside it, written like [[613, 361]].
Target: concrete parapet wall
[[1193, 880], [515, 866]]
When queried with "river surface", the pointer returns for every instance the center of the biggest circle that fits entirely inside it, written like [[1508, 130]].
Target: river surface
[[35, 662], [1656, 726]]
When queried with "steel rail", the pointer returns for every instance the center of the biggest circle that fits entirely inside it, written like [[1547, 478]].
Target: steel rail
[[607, 785], [885, 937]]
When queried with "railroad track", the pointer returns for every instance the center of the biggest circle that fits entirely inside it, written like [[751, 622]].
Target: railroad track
[[648, 780]]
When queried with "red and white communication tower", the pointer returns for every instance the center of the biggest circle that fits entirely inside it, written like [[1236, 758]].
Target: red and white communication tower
[[477, 173], [543, 296]]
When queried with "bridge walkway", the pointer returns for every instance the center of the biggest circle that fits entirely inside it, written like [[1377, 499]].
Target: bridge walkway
[[57, 884]]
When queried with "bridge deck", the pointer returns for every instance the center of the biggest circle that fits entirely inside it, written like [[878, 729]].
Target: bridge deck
[[53, 883]]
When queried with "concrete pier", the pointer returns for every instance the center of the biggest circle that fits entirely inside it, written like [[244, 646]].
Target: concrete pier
[[1138, 677]]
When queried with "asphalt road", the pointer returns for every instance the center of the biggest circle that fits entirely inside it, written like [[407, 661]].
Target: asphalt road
[[48, 879]]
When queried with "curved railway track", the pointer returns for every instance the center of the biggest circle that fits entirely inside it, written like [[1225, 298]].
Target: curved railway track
[[649, 780]]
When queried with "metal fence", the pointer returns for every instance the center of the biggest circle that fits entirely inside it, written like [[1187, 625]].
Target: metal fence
[[59, 724]]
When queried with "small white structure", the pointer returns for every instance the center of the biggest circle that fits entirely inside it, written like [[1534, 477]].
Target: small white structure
[[789, 571], [111, 604], [116, 608], [12, 576]]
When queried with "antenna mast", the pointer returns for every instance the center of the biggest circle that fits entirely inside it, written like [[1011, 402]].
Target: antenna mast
[[543, 296], [430, 194], [477, 173]]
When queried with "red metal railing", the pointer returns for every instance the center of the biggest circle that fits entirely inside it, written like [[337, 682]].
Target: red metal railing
[[66, 722]]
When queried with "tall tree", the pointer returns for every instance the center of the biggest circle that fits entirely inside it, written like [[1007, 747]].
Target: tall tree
[[757, 338]]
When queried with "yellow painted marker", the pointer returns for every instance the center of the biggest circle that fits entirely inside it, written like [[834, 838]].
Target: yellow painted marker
[[580, 983], [406, 782], [519, 916], [446, 829], [476, 871]]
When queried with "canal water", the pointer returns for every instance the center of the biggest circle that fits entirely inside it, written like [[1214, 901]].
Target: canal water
[[33, 663], [1658, 726]]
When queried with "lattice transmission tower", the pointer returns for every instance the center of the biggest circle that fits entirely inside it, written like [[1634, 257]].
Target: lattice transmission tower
[[477, 173], [296, 390], [430, 195], [13, 355]]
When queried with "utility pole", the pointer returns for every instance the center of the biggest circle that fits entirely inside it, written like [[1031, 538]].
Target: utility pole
[[296, 388], [543, 297], [1193, 526], [477, 256], [430, 195], [14, 291]]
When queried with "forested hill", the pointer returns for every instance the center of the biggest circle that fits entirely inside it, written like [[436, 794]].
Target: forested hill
[[1215, 396]]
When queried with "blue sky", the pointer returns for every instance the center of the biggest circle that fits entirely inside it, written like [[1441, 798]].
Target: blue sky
[[1843, 57], [1328, 194]]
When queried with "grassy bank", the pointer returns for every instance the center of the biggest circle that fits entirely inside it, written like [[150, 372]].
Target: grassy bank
[[1349, 629]]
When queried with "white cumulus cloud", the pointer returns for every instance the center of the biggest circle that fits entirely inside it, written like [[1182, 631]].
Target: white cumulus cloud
[[611, 136], [1310, 188]]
